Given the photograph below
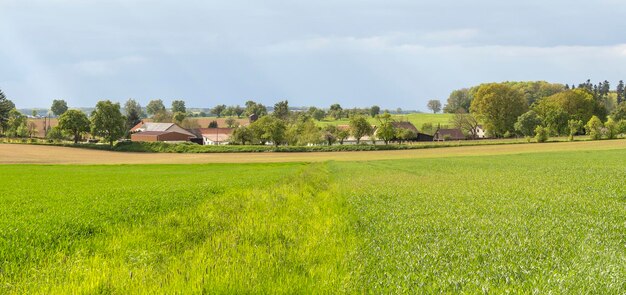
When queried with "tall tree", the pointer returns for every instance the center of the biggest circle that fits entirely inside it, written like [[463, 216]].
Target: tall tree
[[5, 108], [465, 122], [155, 106], [281, 110], [386, 131], [527, 122], [620, 92], [58, 107], [458, 100], [434, 105], [107, 121], [498, 105], [374, 111], [74, 122], [218, 110], [336, 111], [133, 113], [179, 106], [254, 108], [238, 110], [269, 129], [359, 127]]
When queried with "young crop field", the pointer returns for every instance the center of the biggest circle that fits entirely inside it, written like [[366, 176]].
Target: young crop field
[[417, 119], [549, 222]]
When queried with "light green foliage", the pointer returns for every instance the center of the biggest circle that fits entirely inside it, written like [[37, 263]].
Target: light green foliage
[[55, 133], [254, 108], [359, 127], [611, 129], [269, 129], [578, 104], [155, 107], [594, 128], [541, 134], [242, 135], [386, 132], [74, 122], [178, 117], [218, 110], [619, 113], [231, 122], [527, 122], [107, 121], [58, 107], [418, 226], [405, 134], [498, 106], [574, 127], [329, 134], [16, 124], [304, 132]]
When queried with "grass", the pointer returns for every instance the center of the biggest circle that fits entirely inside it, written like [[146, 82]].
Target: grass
[[418, 119], [527, 223]]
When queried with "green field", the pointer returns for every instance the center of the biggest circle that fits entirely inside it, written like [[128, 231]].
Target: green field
[[527, 223], [418, 119]]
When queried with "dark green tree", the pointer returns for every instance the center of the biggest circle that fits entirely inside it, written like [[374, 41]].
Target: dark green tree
[[281, 110], [107, 121], [360, 127], [218, 110], [5, 108], [74, 122], [178, 106], [374, 111], [155, 106], [58, 107]]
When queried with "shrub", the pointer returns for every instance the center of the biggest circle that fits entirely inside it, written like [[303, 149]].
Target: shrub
[[542, 134]]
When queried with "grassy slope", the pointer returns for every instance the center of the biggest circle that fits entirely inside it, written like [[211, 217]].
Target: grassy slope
[[418, 119], [534, 222]]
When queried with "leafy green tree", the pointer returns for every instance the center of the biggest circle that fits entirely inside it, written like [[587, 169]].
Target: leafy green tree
[[342, 134], [405, 134], [336, 111], [238, 110], [458, 100], [58, 107], [374, 111], [577, 103], [281, 110], [269, 129], [16, 124], [155, 107], [55, 133], [541, 134], [178, 106], [189, 123], [163, 116], [303, 132], [386, 131], [611, 129], [527, 122], [330, 134], [107, 121], [5, 108], [213, 124], [620, 92], [179, 117], [556, 121], [574, 127], [360, 127], [434, 105], [231, 122], [74, 122], [316, 113], [498, 106], [535, 90], [218, 110], [594, 128], [133, 113], [619, 113], [254, 108], [242, 135]]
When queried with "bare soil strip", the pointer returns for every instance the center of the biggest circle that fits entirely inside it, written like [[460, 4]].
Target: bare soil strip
[[39, 154]]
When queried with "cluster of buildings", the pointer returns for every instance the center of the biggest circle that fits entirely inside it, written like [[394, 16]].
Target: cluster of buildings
[[171, 132]]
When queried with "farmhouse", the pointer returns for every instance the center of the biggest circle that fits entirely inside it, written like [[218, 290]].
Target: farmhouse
[[169, 132], [443, 134], [165, 136], [215, 136], [480, 132]]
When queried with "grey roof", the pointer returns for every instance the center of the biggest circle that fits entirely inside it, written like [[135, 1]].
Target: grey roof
[[156, 126]]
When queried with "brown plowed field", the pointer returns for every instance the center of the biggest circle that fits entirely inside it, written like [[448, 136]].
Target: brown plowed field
[[39, 154]]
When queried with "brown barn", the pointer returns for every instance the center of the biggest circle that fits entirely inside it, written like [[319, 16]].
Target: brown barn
[[160, 136], [449, 134]]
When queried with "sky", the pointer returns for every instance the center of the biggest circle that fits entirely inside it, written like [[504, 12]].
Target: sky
[[392, 53]]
